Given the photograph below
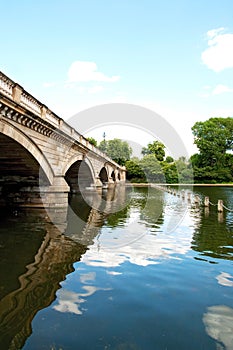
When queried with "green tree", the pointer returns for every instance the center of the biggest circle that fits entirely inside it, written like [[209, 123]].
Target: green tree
[[134, 170], [179, 171], [214, 139], [103, 146], [156, 148], [184, 170], [118, 150], [170, 172], [169, 159], [92, 141], [152, 168]]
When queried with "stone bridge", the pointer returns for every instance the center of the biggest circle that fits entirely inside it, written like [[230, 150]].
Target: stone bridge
[[42, 158]]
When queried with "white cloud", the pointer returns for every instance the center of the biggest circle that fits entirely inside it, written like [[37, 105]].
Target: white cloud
[[220, 89], [84, 71], [217, 90], [214, 32], [48, 85], [219, 54]]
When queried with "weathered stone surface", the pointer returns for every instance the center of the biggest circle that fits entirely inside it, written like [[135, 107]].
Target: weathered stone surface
[[42, 158]]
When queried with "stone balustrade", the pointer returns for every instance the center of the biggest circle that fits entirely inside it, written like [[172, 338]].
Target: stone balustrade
[[17, 94]]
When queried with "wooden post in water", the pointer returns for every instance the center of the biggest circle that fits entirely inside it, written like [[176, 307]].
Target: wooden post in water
[[196, 199], [189, 196], [220, 205], [206, 202], [220, 217], [183, 194], [207, 211]]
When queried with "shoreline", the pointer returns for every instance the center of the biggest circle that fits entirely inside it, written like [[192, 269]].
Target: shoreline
[[136, 184]]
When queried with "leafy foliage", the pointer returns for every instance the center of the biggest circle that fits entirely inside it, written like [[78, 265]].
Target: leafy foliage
[[134, 171], [118, 150], [156, 148], [92, 141], [213, 163], [214, 139], [152, 168]]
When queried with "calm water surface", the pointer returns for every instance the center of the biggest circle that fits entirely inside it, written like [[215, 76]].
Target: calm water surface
[[135, 269]]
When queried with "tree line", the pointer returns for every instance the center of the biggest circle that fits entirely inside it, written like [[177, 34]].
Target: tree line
[[212, 164]]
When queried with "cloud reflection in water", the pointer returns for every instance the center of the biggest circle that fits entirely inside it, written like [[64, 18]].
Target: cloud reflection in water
[[69, 301], [225, 279], [151, 248], [218, 322]]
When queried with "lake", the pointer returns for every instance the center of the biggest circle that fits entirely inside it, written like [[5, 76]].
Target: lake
[[131, 268]]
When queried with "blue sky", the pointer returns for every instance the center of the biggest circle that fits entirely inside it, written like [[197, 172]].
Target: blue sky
[[172, 56]]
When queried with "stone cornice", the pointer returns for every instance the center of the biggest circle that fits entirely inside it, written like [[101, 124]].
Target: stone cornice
[[32, 122], [23, 108]]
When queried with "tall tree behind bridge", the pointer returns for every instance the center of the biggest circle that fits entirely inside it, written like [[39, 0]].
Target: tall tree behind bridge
[[118, 150], [156, 148]]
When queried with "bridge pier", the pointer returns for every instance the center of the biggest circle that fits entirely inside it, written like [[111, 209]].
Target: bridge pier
[[98, 182], [56, 195], [111, 183], [25, 192]]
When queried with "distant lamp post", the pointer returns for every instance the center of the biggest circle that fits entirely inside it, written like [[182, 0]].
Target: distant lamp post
[[104, 136]]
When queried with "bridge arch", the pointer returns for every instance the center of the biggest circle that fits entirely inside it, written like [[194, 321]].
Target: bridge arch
[[79, 174], [113, 175], [29, 146], [103, 175], [71, 161], [91, 167]]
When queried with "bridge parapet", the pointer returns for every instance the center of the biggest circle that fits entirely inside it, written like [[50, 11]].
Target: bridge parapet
[[16, 93], [6, 85], [33, 138]]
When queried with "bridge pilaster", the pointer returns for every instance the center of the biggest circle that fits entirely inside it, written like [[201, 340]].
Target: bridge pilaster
[[56, 195], [111, 182], [16, 93], [98, 182]]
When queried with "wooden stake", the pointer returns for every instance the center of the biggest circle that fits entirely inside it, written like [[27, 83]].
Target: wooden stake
[[220, 205], [206, 202]]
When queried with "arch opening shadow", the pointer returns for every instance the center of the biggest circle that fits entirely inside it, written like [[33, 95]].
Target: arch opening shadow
[[113, 176], [20, 174], [79, 176], [103, 175]]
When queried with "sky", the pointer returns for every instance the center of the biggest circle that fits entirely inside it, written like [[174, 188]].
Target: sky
[[174, 57]]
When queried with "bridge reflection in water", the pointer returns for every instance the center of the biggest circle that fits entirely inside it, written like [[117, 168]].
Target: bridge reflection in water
[[36, 257]]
